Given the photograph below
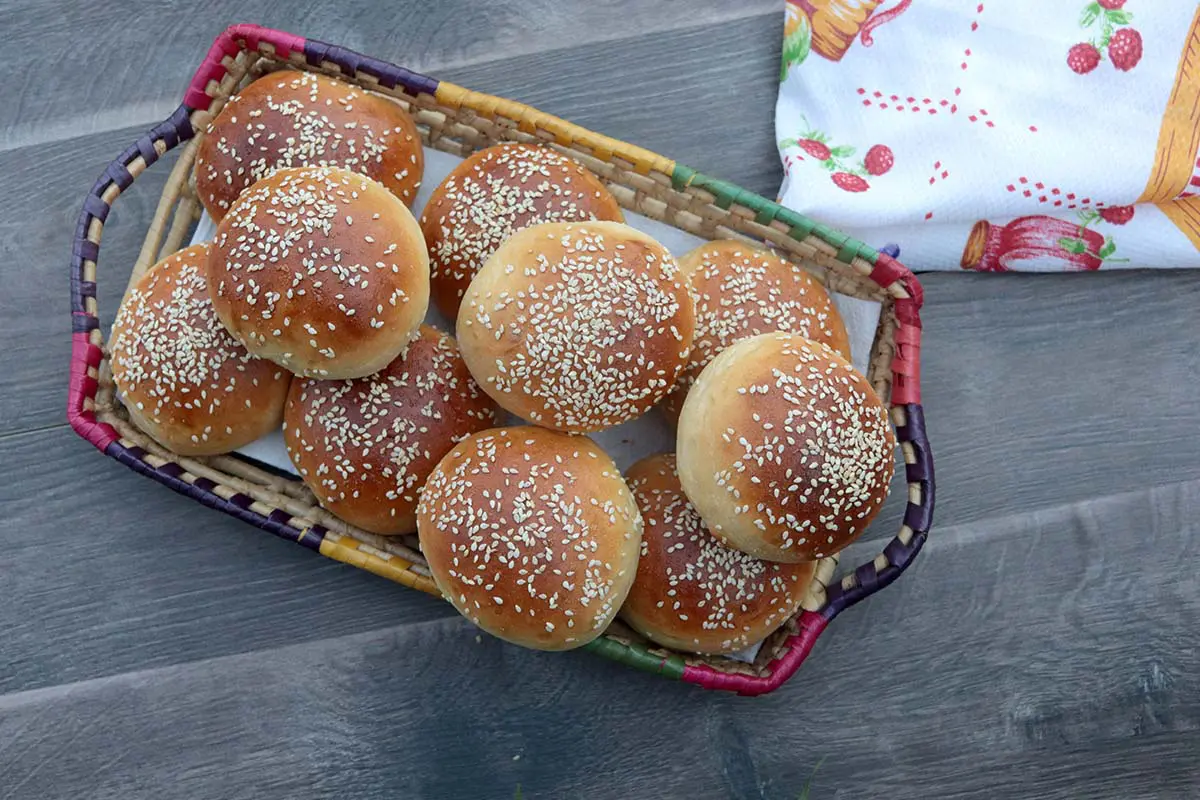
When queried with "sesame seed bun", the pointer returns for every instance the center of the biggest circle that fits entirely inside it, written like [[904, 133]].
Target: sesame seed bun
[[784, 448], [365, 446], [691, 592], [299, 119], [577, 326], [742, 291], [184, 380], [532, 535], [494, 193], [322, 271]]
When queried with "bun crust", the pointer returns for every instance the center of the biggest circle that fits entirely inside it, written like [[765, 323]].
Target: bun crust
[[577, 326], [494, 193], [322, 271], [691, 592], [184, 380], [784, 448], [300, 119], [365, 446], [532, 535], [742, 291]]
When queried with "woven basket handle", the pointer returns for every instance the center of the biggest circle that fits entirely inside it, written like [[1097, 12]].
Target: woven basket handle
[[86, 341]]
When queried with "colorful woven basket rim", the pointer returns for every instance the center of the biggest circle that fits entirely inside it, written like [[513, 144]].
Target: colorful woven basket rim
[[885, 271]]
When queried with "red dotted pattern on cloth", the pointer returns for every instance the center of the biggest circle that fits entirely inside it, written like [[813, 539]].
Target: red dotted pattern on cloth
[[940, 173], [1053, 195], [930, 105]]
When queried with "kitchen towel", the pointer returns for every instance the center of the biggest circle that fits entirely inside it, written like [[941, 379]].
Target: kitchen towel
[[997, 135]]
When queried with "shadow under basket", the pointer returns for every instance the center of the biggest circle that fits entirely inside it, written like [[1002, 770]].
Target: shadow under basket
[[458, 121]]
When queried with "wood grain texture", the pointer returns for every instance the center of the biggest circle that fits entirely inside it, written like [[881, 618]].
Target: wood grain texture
[[36, 226], [681, 94], [1044, 645], [1041, 390], [1047, 389], [1048, 655], [129, 62], [105, 571]]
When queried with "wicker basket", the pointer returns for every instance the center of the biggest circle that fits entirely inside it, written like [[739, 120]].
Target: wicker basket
[[459, 121]]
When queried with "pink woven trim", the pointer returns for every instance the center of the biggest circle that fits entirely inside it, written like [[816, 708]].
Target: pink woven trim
[[906, 362], [798, 647], [230, 42], [84, 354]]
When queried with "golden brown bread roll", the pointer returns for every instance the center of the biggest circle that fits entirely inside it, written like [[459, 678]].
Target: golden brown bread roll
[[531, 534], [322, 271], [184, 380], [742, 291], [299, 119], [784, 448], [577, 326], [491, 195], [365, 446], [691, 592]]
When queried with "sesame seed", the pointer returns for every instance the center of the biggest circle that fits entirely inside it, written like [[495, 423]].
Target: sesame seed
[[583, 343], [517, 536]]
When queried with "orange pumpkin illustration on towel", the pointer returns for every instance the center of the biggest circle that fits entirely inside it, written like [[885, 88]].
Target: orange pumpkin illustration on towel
[[829, 27]]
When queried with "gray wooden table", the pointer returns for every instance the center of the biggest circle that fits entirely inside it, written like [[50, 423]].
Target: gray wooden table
[[1045, 644]]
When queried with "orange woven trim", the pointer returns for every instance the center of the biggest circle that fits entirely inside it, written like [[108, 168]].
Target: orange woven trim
[[530, 120], [1185, 214], [1179, 136]]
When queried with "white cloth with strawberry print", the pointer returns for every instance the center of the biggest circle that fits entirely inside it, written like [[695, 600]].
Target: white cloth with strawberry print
[[997, 135]]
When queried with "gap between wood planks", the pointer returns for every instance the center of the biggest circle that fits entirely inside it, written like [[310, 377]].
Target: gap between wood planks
[[4, 437], [26, 697], [149, 113]]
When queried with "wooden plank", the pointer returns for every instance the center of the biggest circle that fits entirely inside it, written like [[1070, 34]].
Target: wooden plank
[[1047, 655], [106, 571], [130, 64], [36, 226], [703, 96], [1043, 390], [1060, 639]]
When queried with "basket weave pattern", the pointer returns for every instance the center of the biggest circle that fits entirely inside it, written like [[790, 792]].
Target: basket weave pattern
[[459, 121]]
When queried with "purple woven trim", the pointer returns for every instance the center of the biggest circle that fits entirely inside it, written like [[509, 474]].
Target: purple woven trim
[[869, 580], [171, 131], [918, 516], [84, 323], [350, 62], [201, 489]]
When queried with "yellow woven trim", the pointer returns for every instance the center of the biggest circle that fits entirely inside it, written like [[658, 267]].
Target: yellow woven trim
[[358, 554], [530, 120]]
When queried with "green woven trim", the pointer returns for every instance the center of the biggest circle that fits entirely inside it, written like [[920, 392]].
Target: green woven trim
[[636, 655], [800, 227]]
